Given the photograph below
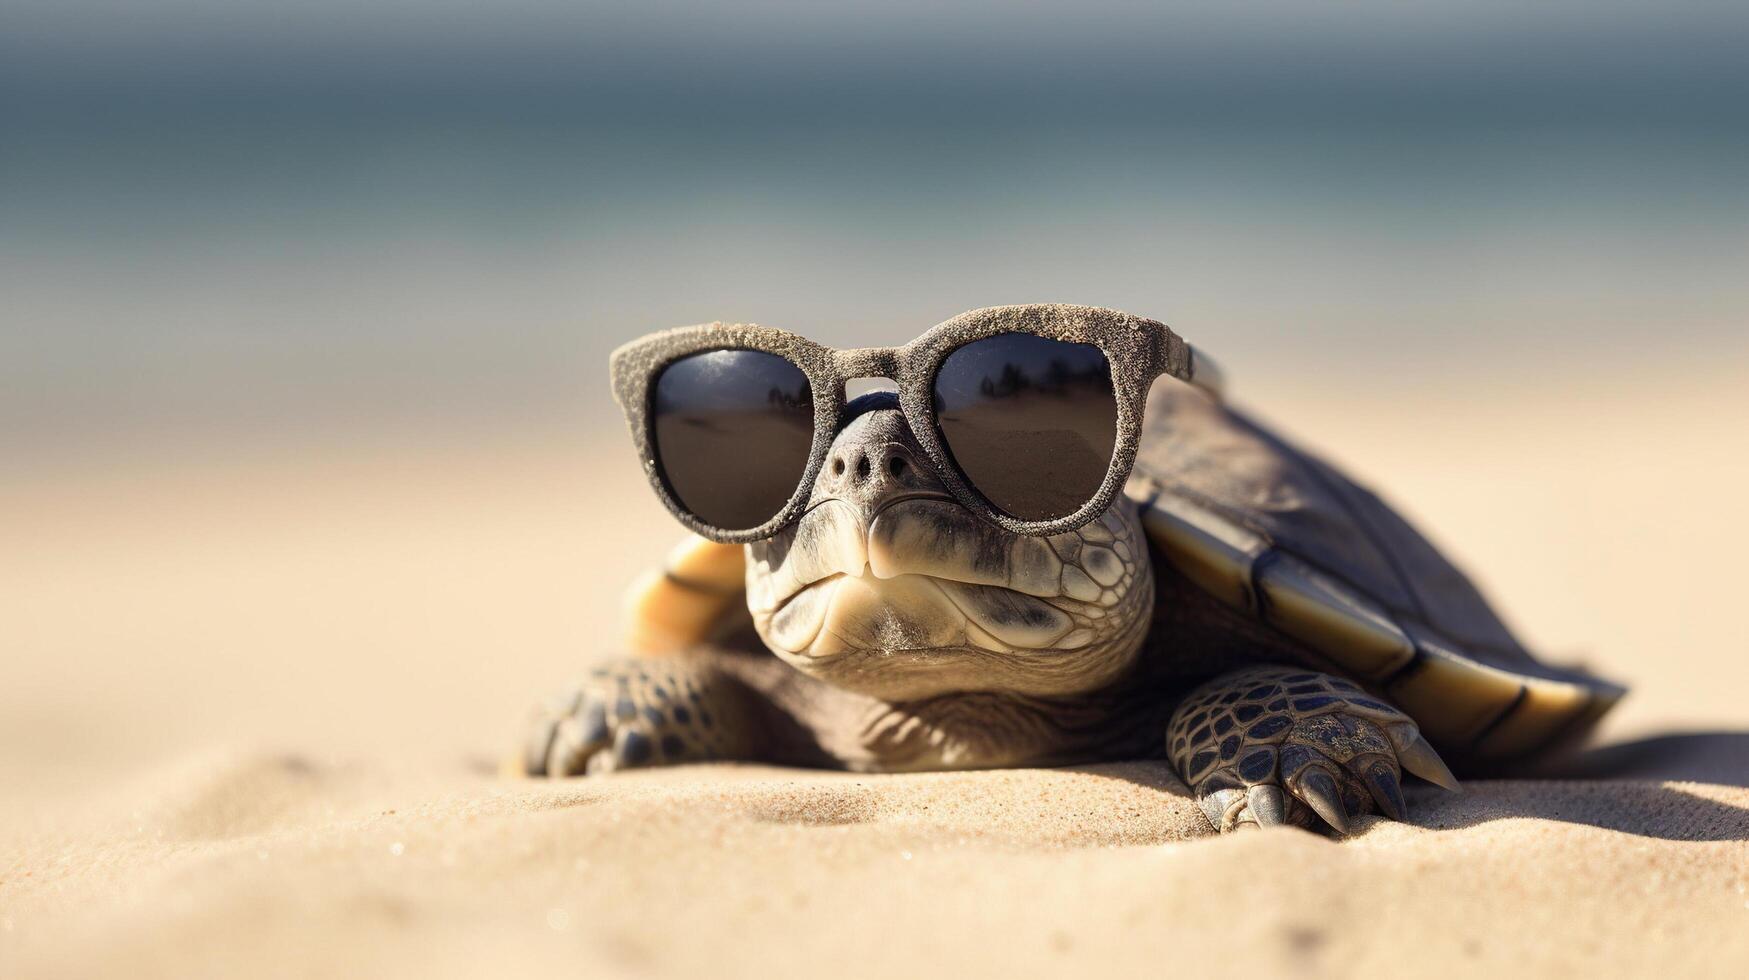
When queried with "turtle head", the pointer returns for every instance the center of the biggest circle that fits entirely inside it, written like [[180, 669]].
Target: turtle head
[[889, 587]]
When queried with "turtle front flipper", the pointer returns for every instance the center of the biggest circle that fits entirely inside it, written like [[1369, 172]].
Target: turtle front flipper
[[641, 713], [1275, 745]]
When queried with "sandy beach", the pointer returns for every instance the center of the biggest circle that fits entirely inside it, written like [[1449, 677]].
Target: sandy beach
[[250, 709]]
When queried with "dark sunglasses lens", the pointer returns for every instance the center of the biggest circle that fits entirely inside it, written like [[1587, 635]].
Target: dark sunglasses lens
[[732, 430], [1031, 422]]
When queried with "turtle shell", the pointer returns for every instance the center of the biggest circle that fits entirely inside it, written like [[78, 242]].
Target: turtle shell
[[1287, 539]]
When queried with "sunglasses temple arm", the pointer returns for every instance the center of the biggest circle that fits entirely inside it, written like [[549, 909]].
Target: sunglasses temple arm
[[1206, 374], [1186, 363]]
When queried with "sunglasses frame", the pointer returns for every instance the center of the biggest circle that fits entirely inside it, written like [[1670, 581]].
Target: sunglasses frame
[[1138, 350]]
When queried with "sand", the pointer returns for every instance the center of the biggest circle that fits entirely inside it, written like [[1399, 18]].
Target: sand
[[263, 865], [249, 708]]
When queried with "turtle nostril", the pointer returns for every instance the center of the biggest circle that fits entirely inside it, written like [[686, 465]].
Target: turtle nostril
[[863, 468], [838, 466]]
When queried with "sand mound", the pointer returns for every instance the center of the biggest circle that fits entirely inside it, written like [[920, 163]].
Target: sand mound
[[272, 865]]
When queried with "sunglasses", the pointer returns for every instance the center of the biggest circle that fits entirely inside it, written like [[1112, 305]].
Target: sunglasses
[[1030, 414]]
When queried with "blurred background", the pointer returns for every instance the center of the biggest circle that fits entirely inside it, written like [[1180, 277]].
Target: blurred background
[[304, 431]]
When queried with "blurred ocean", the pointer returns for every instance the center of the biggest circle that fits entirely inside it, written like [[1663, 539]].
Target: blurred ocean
[[244, 222]]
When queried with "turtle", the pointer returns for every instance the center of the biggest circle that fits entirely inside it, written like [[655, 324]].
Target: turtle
[[1245, 611]]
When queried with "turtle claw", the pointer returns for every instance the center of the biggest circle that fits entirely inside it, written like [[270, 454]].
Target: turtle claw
[[543, 733], [1386, 791], [1319, 791], [1223, 808], [1419, 758], [574, 741], [1268, 807]]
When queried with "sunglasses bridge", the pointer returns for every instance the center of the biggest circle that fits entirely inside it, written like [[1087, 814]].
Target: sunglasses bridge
[[877, 363]]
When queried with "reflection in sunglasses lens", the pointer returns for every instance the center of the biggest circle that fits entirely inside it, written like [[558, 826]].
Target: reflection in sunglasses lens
[[732, 430], [1031, 422]]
